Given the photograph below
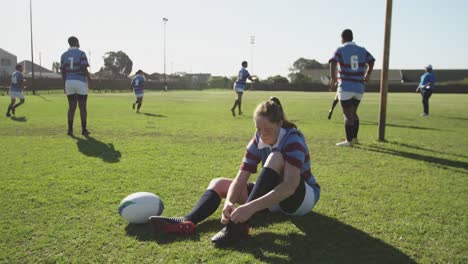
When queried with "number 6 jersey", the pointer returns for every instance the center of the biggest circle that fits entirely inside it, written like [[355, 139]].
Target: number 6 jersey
[[352, 60]]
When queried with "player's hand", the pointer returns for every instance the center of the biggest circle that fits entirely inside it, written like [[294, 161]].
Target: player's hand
[[227, 210], [367, 78], [242, 213]]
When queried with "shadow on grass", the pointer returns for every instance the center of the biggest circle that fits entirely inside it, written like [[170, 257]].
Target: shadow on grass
[[434, 160], [455, 118], [323, 240], [370, 123], [92, 147], [153, 115], [43, 98], [19, 119], [426, 149]]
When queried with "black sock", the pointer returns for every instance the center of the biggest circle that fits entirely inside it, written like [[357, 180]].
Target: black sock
[[83, 125], [206, 206], [70, 125], [239, 104], [139, 105], [267, 180], [349, 132], [356, 128], [9, 109], [235, 104]]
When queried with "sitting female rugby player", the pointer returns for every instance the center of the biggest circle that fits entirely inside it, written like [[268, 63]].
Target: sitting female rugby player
[[285, 183]]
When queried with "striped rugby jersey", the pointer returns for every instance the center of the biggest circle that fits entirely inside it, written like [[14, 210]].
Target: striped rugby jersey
[[74, 63], [16, 77], [293, 147], [137, 83], [242, 78], [352, 60]]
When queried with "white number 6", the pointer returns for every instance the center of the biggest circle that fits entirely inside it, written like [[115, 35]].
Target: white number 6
[[354, 62]]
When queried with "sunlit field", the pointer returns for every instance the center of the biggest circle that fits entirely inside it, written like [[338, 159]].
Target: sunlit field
[[402, 201]]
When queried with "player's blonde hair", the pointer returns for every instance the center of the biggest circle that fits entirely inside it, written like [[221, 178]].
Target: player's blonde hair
[[273, 110]]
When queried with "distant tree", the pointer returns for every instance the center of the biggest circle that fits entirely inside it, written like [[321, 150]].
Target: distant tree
[[56, 67], [302, 64], [278, 79], [118, 63], [299, 78]]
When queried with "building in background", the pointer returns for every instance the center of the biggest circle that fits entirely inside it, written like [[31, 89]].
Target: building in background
[[7, 63]]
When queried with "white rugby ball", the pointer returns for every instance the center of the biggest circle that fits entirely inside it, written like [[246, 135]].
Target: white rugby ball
[[138, 207]]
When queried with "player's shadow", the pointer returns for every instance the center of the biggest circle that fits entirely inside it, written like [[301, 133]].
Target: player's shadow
[[370, 123], [92, 147], [426, 149], [153, 115], [19, 119], [442, 162], [322, 240]]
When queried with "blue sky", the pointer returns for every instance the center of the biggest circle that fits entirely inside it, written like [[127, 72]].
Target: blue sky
[[214, 36]]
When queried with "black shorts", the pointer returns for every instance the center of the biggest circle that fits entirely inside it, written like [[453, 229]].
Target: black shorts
[[293, 202], [349, 103]]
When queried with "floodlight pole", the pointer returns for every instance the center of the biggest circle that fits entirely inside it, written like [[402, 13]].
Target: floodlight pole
[[165, 78], [32, 50], [252, 43], [384, 76]]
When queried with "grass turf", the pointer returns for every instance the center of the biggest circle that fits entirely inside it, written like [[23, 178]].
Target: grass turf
[[401, 201]]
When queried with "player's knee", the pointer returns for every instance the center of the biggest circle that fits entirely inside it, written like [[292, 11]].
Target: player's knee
[[220, 186], [275, 161]]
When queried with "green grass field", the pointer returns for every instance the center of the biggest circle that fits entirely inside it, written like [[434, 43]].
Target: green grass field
[[403, 201]]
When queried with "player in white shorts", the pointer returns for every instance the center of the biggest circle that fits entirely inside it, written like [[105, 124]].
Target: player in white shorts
[[74, 66], [356, 65], [16, 89]]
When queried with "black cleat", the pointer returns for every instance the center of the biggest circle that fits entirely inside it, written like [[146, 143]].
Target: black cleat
[[233, 112], [85, 132], [240, 113], [173, 225], [230, 235], [13, 110], [133, 106], [8, 114], [70, 132], [330, 114]]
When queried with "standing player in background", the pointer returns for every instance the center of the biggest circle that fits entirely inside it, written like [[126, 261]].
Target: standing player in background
[[74, 66], [239, 87], [137, 84], [426, 86], [353, 73], [16, 89]]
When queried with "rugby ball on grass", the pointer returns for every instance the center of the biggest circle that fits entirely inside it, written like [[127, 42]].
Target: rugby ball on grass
[[138, 207]]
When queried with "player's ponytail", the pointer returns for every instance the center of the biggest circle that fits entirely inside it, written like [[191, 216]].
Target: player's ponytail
[[273, 110]]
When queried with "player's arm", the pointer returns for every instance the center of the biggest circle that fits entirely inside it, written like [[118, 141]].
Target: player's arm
[[237, 193], [282, 191], [333, 80], [370, 68]]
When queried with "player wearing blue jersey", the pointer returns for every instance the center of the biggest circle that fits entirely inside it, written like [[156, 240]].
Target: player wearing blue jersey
[[16, 89], [355, 67], [74, 67], [239, 87], [138, 88], [426, 87], [285, 183]]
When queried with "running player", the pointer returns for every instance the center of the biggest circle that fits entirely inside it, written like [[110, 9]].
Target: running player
[[74, 67], [239, 87], [285, 183], [138, 88], [16, 89], [356, 65]]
